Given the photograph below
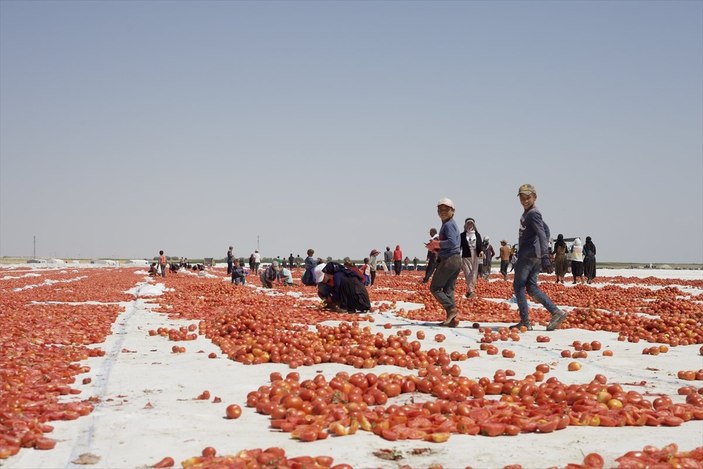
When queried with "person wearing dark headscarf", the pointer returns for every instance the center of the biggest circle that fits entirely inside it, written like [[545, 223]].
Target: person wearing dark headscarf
[[589, 260], [561, 262], [308, 277], [471, 254], [346, 290]]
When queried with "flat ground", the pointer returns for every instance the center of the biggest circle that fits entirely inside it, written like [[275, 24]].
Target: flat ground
[[145, 395]]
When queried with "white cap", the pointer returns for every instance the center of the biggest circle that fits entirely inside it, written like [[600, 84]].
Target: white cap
[[445, 201]]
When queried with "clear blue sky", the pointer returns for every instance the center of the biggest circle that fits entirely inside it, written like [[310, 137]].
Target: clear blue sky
[[127, 127]]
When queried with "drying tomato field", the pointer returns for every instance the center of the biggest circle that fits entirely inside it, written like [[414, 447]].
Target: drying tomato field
[[106, 367]]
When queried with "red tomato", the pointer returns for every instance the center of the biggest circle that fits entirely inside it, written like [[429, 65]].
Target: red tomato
[[233, 411], [593, 461], [209, 452], [44, 443], [165, 462], [492, 429]]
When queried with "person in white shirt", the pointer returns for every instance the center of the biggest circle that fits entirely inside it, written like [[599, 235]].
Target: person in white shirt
[[577, 261], [257, 261]]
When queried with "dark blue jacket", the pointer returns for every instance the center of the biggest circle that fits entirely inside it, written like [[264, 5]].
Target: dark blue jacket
[[533, 235]]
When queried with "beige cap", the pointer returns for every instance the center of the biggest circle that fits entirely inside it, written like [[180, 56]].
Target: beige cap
[[527, 189]]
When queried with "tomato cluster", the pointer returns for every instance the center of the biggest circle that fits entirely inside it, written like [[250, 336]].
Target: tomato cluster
[[257, 458], [43, 337], [312, 409]]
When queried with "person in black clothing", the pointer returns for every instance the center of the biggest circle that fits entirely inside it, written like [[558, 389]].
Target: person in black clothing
[[308, 277], [345, 289], [471, 254], [431, 258], [230, 259], [561, 263], [589, 260]]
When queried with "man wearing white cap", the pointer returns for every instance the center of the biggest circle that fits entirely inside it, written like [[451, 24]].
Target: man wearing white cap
[[532, 256], [448, 249]]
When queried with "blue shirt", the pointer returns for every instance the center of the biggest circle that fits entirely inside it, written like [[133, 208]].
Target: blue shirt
[[533, 234], [449, 242]]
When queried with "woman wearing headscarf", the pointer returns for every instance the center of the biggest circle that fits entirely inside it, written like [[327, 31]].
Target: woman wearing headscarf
[[577, 261], [346, 289], [589, 260], [471, 254], [373, 264], [561, 263]]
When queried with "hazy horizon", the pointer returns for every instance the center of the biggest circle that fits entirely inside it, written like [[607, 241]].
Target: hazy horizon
[[131, 127]]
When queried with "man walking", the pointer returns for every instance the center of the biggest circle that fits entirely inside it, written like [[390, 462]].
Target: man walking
[[388, 258], [448, 249], [532, 256], [504, 258]]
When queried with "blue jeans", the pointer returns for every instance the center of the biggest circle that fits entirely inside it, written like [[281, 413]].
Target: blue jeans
[[526, 271], [444, 281]]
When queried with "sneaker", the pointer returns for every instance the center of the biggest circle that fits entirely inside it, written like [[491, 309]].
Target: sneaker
[[557, 319], [520, 324]]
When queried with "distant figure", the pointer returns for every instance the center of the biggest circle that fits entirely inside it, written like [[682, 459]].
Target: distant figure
[[252, 263], [397, 259], [415, 262], [471, 254], [269, 275], [561, 262], [488, 254], [406, 262], [298, 261], [162, 263], [308, 277], [504, 255], [352, 266], [388, 259], [373, 264], [513, 257], [230, 260], [533, 256], [366, 272], [257, 261], [238, 276], [431, 258], [291, 261], [577, 261], [589, 260]]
